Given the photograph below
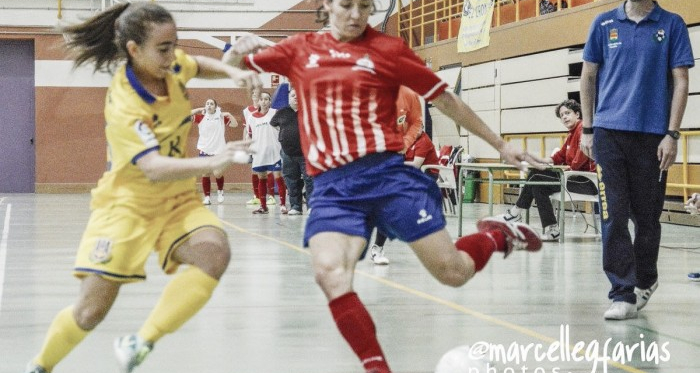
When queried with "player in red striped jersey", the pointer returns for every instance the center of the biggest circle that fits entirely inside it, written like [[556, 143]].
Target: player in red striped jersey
[[347, 81]]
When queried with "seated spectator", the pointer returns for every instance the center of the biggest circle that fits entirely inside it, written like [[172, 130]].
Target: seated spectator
[[569, 112]]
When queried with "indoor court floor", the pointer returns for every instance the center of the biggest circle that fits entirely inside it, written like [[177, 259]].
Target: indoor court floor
[[268, 315]]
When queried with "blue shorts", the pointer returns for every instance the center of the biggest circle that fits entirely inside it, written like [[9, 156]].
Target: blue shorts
[[377, 190], [272, 167]]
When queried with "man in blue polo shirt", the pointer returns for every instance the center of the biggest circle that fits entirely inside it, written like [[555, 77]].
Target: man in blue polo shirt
[[635, 76]]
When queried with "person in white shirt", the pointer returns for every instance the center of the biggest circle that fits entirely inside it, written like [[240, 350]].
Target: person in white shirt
[[211, 123], [266, 148]]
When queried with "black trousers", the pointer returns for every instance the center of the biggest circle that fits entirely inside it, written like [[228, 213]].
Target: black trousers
[[541, 193], [630, 190]]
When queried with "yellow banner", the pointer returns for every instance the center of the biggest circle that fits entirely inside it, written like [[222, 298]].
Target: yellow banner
[[475, 25]]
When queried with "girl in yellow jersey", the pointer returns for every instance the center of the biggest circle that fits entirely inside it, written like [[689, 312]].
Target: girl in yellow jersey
[[146, 200]]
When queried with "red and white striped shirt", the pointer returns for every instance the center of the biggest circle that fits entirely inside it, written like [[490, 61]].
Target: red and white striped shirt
[[347, 92]]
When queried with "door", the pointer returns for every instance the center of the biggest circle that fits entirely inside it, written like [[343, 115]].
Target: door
[[17, 157]]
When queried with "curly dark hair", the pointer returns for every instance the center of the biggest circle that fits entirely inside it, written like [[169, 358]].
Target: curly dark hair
[[102, 39], [322, 15], [572, 105]]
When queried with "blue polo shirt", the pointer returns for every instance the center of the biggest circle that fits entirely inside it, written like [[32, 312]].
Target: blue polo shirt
[[635, 62]]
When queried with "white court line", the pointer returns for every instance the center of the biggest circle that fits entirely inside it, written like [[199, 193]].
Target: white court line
[[3, 249]]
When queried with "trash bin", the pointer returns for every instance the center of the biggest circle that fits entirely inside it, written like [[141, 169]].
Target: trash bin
[[469, 188], [469, 192]]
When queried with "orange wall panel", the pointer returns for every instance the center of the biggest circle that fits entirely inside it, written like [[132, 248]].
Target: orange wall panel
[[70, 142]]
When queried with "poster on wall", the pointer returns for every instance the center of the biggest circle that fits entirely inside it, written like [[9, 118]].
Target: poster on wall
[[475, 25]]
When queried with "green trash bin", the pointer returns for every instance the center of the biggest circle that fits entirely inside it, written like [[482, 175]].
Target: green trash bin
[[469, 189]]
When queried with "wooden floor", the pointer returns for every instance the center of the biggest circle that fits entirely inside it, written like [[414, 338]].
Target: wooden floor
[[268, 316]]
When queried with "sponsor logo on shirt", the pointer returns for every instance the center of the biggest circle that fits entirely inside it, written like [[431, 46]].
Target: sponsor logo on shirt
[[424, 217], [313, 61], [401, 120], [145, 134], [364, 64], [336, 54]]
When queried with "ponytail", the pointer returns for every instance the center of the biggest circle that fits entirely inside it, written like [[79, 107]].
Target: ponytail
[[94, 39], [102, 39]]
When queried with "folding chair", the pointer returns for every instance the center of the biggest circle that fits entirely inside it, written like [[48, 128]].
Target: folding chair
[[447, 184], [574, 197]]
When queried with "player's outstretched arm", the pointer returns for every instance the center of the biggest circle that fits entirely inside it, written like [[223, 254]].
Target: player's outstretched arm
[[464, 116], [157, 167], [210, 68]]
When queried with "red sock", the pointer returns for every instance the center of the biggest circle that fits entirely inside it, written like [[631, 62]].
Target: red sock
[[255, 180], [357, 327], [206, 185], [220, 183], [282, 189], [270, 185], [499, 238], [480, 246], [262, 193]]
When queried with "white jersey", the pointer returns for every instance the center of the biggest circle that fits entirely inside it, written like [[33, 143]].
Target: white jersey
[[247, 114], [266, 145], [212, 140]]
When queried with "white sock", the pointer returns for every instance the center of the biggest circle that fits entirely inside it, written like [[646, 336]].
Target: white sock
[[515, 211]]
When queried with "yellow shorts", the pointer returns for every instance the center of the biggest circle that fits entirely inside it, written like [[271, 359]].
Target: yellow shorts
[[120, 237]]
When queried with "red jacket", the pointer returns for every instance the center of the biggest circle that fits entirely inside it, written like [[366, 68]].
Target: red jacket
[[571, 155]]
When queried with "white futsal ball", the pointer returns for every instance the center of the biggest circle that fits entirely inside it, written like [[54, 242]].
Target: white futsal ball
[[459, 360], [240, 156]]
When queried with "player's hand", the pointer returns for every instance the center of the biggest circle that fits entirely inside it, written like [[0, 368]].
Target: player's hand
[[586, 145], [235, 152], [515, 157], [245, 145], [246, 79], [244, 45], [666, 152]]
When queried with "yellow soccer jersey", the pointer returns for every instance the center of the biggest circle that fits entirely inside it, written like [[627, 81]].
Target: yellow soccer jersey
[[138, 123]]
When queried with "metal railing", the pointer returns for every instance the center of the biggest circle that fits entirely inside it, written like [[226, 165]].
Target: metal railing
[[683, 149], [427, 21]]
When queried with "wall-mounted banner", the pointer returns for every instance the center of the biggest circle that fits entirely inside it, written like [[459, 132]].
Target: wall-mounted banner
[[475, 25]]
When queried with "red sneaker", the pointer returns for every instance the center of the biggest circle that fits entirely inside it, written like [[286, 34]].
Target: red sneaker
[[518, 236]]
